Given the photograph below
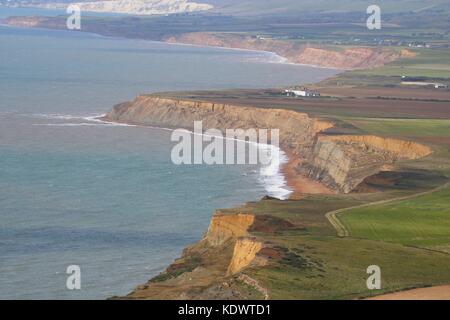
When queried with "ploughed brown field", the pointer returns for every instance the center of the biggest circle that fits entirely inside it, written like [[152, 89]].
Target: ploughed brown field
[[421, 103]]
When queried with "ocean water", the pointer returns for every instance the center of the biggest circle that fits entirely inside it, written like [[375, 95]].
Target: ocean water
[[74, 191]]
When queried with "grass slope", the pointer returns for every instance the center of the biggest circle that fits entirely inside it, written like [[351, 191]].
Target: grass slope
[[336, 268]]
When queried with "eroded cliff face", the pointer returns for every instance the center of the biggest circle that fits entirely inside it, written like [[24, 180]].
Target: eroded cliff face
[[338, 162], [234, 228], [224, 227], [208, 268], [343, 162], [245, 254], [349, 58], [297, 130]]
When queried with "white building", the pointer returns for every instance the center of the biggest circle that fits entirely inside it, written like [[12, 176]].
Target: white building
[[425, 84], [301, 93]]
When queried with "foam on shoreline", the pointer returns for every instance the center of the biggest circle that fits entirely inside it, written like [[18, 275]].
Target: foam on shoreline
[[271, 175], [93, 120]]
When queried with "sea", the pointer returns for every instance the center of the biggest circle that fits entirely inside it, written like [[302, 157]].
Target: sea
[[102, 196]]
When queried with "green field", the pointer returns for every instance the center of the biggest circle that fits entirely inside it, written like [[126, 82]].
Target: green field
[[421, 222], [335, 268], [322, 266], [404, 127], [432, 63]]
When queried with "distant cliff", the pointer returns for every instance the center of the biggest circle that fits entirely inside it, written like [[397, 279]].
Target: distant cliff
[[317, 55]]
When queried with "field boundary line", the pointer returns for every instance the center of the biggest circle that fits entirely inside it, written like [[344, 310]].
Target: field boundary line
[[333, 216]]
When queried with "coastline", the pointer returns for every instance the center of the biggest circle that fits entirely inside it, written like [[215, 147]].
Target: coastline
[[275, 180], [291, 236], [296, 185], [293, 182], [281, 60], [275, 58], [300, 186]]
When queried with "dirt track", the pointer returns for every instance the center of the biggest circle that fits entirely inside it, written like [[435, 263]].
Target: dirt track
[[333, 216]]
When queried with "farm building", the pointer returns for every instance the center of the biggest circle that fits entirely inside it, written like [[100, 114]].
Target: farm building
[[425, 84], [303, 92]]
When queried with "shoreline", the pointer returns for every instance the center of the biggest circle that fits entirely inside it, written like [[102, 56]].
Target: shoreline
[[282, 60], [283, 161], [295, 183], [279, 59]]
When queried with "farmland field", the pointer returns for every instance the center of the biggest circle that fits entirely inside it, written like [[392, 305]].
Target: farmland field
[[421, 222], [426, 63], [405, 127]]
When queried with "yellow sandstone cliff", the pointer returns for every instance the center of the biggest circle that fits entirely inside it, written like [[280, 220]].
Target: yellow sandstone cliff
[[224, 227], [244, 254], [339, 162], [343, 162], [207, 268], [347, 58]]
